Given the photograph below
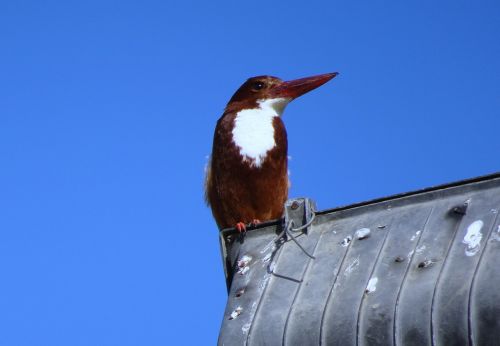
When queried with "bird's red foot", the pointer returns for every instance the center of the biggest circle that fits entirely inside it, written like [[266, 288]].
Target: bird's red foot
[[255, 222], [241, 227]]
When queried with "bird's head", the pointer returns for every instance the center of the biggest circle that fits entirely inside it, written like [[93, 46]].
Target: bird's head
[[274, 91]]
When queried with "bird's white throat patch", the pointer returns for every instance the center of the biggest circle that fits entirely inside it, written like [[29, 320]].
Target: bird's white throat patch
[[253, 130]]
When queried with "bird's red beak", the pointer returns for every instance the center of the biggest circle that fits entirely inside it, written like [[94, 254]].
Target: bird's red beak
[[295, 88]]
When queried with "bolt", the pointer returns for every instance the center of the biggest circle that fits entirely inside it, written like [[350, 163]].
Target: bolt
[[294, 205], [461, 209], [425, 264]]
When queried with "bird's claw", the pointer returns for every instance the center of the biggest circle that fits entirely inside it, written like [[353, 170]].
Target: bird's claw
[[255, 222], [240, 227]]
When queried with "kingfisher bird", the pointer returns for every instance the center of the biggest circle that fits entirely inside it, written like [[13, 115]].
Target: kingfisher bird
[[247, 175]]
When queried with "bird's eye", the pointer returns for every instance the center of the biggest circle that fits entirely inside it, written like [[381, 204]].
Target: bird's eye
[[258, 86]]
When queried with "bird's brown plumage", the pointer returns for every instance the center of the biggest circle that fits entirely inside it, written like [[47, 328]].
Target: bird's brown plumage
[[238, 191]]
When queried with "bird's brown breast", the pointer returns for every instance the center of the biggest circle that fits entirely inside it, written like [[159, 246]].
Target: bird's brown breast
[[237, 189]]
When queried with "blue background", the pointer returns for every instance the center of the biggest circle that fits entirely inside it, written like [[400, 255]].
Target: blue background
[[107, 111]]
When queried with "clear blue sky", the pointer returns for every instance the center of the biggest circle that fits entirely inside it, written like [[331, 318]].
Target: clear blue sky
[[107, 111]]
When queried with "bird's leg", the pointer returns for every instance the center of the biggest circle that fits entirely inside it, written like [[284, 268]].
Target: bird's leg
[[240, 227]]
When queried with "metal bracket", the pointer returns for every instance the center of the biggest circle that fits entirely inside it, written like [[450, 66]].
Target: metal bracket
[[299, 215], [300, 212]]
